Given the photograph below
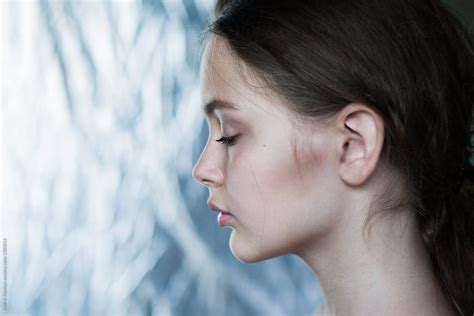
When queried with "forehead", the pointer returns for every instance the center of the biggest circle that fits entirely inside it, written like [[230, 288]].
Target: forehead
[[221, 73], [223, 77]]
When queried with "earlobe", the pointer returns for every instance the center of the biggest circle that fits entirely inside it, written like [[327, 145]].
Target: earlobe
[[361, 136]]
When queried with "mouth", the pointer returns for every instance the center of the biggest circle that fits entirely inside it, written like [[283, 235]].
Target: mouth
[[216, 208], [223, 218]]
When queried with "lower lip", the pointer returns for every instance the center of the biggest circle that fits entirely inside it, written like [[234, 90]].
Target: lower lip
[[224, 218]]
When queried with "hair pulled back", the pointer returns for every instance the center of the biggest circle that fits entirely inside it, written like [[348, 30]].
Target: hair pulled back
[[411, 61]]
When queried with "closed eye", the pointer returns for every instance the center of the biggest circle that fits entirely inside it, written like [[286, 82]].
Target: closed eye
[[227, 141]]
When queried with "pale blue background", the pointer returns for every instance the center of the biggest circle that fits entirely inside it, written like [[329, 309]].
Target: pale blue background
[[101, 126]]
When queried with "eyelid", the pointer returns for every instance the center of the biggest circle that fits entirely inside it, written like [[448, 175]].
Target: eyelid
[[227, 141]]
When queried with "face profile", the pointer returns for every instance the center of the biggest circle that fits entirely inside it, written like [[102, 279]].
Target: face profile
[[256, 178], [323, 128]]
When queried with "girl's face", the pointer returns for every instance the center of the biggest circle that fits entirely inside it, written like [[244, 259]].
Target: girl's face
[[278, 205]]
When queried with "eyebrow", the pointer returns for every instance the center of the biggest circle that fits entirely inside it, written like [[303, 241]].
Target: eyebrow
[[217, 104]]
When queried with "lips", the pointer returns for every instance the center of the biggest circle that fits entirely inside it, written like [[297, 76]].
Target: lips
[[216, 208]]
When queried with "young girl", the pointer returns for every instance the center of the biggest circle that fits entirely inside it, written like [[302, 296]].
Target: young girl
[[342, 135]]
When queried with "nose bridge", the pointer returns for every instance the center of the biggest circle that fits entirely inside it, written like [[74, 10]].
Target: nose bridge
[[208, 170]]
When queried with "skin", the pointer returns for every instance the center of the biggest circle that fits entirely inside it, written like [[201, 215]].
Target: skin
[[305, 190]]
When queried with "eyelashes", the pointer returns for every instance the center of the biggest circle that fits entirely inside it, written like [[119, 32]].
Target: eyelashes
[[227, 141]]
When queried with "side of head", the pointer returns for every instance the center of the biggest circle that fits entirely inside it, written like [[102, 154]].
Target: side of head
[[407, 66]]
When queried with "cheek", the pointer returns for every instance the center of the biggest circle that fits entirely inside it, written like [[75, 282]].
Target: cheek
[[260, 172], [274, 173], [281, 205], [268, 188]]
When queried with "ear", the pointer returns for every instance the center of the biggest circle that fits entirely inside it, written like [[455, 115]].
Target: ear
[[359, 142]]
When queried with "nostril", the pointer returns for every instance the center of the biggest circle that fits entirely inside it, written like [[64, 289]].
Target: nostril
[[199, 177], [208, 179], [207, 173]]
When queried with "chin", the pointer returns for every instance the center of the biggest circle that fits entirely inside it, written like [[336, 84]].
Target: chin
[[250, 252]]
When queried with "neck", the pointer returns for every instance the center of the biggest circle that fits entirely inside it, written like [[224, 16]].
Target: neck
[[389, 274]]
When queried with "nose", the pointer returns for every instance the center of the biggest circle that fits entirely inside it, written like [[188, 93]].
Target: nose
[[207, 171]]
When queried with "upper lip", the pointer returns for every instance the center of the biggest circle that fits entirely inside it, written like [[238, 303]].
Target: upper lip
[[214, 207]]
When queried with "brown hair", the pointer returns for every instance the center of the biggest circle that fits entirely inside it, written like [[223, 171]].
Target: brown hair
[[412, 61]]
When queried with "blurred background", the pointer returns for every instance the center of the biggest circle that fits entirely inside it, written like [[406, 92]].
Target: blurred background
[[100, 128]]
